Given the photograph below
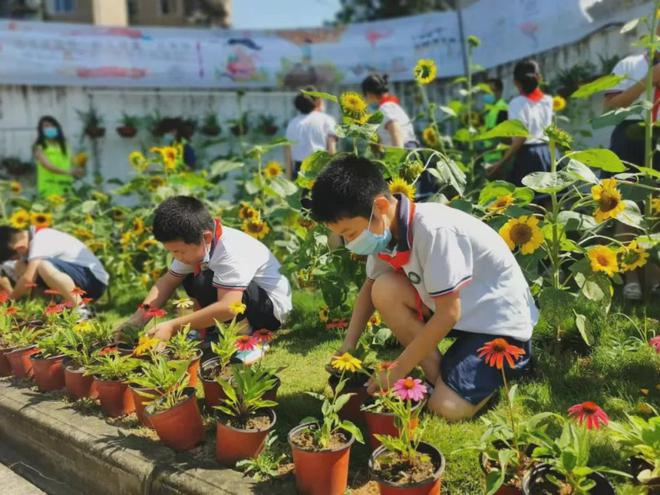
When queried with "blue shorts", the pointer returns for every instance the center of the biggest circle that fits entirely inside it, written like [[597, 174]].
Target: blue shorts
[[468, 375], [82, 276]]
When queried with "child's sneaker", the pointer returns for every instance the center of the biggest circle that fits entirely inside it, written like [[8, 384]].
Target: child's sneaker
[[251, 357], [84, 312]]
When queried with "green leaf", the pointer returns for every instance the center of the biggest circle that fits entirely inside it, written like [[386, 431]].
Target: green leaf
[[574, 221], [555, 305], [448, 110], [630, 214], [629, 26], [221, 167], [600, 158], [616, 116], [582, 471], [547, 182], [351, 428], [508, 128], [582, 325], [579, 171], [600, 84], [321, 94], [523, 195], [568, 459], [376, 118], [494, 480], [650, 172], [494, 190]]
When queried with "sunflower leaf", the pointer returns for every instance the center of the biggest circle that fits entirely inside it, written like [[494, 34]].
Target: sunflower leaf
[[508, 128], [547, 182], [600, 158], [582, 325], [600, 84], [630, 214]]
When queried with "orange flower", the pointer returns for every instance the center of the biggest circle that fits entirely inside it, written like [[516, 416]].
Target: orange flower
[[497, 350]]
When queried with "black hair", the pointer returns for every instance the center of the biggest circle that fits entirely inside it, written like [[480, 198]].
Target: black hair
[[347, 189], [376, 84], [305, 103], [7, 233], [527, 73], [181, 218], [41, 139], [496, 83]]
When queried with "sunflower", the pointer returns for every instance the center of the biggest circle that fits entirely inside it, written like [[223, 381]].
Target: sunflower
[[126, 238], [55, 199], [655, 206], [324, 314], [558, 103], [353, 106], [155, 181], [524, 232], [95, 245], [273, 169], [137, 160], [632, 257], [603, 259], [41, 220], [430, 137], [169, 156], [15, 187], [400, 186], [412, 170], [82, 233], [256, 228], [425, 71], [609, 200], [146, 244], [501, 204], [138, 226], [246, 212], [20, 219], [118, 214]]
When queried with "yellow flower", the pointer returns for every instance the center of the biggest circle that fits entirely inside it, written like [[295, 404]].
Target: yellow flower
[[558, 103], [256, 228], [632, 256], [501, 204], [324, 314], [184, 303], [20, 219], [82, 233], [603, 259], [80, 159], [145, 344], [425, 71], [95, 245], [346, 362], [272, 169], [126, 238], [430, 137], [100, 197], [15, 187], [609, 200], [169, 155], [146, 244], [524, 232], [137, 160], [246, 212], [138, 226], [354, 106], [155, 181], [375, 319], [83, 326], [41, 220], [400, 186], [237, 308], [655, 205], [56, 199]]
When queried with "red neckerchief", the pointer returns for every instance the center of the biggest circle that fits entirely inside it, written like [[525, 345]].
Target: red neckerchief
[[389, 99], [216, 238], [405, 212], [536, 95]]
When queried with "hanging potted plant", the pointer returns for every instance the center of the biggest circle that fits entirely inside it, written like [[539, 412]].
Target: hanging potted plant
[[172, 408], [245, 417], [23, 343], [403, 464], [267, 125], [239, 126], [211, 126], [321, 449], [110, 371], [78, 343], [182, 348], [47, 362], [92, 123], [129, 126]]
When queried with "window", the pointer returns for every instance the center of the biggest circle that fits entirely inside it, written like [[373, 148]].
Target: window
[[168, 7], [132, 8], [63, 6]]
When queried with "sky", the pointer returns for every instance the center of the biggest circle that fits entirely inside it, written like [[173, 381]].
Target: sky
[[276, 14]]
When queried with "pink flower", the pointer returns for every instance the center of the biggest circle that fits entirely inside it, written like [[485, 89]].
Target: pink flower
[[246, 343], [410, 388], [263, 336], [589, 412], [655, 342]]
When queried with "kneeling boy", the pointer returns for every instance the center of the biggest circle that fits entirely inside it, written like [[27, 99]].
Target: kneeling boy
[[218, 267], [432, 272]]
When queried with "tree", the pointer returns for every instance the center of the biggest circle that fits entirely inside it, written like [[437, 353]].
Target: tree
[[372, 10]]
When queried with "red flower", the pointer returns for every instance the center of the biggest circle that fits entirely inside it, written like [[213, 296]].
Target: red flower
[[246, 343], [53, 309], [154, 312], [51, 292], [589, 412], [87, 300], [263, 336], [77, 291], [11, 310], [387, 365], [68, 305], [4, 297], [337, 324], [499, 349]]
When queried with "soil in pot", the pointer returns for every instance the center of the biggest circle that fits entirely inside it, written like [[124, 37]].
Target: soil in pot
[[382, 423], [180, 427], [242, 439], [5, 367], [320, 472], [355, 385], [115, 397], [19, 360], [536, 482], [77, 384], [48, 372]]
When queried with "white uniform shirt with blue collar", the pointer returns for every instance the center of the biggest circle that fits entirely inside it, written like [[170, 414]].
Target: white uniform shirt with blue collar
[[536, 115]]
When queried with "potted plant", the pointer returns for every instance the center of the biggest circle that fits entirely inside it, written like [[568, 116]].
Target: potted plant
[[239, 126], [183, 348], [78, 343], [129, 126], [188, 127], [403, 464], [172, 406], [7, 324], [92, 123], [110, 371], [321, 448], [47, 362], [245, 416], [211, 126], [267, 125], [23, 343]]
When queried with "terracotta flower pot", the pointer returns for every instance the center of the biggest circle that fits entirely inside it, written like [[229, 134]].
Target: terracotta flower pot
[[48, 372], [383, 423], [505, 489], [213, 392], [352, 410], [139, 401], [272, 393], [535, 481], [181, 427], [5, 367], [233, 444], [78, 385], [427, 487], [193, 369], [115, 396], [126, 131], [19, 359], [320, 473]]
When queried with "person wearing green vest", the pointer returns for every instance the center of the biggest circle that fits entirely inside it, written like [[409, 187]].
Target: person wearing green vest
[[55, 170], [174, 132], [496, 112]]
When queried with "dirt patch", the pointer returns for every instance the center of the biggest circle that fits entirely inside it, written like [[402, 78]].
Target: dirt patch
[[258, 422], [305, 440], [210, 373], [393, 468]]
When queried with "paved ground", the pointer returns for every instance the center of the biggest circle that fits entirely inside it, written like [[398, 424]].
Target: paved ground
[[13, 484]]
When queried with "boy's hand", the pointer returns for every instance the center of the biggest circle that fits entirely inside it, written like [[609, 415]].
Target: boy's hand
[[382, 380], [129, 324], [162, 331]]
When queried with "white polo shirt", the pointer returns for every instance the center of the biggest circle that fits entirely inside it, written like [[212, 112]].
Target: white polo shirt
[[452, 251], [635, 68], [393, 112], [309, 133], [239, 259], [536, 115], [51, 243]]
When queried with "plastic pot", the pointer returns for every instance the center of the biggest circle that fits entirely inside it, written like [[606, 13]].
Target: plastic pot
[[272, 393], [535, 482], [352, 410], [19, 360], [427, 487], [213, 392], [95, 132], [48, 372], [126, 131], [77, 384], [382, 423], [181, 427], [505, 489], [322, 472], [193, 369], [233, 444], [5, 367], [139, 401], [211, 130], [115, 396]]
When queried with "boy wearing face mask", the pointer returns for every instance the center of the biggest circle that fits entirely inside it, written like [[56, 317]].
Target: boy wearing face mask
[[218, 267], [432, 272]]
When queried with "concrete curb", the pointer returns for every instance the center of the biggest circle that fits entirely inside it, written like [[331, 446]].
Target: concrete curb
[[95, 457]]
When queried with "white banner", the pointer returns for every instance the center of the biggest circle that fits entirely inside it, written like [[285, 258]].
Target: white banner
[[53, 54]]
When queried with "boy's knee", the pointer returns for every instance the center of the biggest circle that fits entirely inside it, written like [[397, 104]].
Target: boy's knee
[[45, 267], [386, 290], [450, 408]]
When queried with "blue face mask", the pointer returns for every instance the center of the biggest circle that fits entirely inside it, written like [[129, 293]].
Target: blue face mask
[[369, 243], [488, 99], [51, 132], [168, 138]]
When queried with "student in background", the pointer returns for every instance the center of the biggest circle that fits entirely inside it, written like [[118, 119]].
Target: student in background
[[173, 132], [310, 131]]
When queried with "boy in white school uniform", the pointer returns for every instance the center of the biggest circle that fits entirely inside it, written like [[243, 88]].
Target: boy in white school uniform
[[432, 272]]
